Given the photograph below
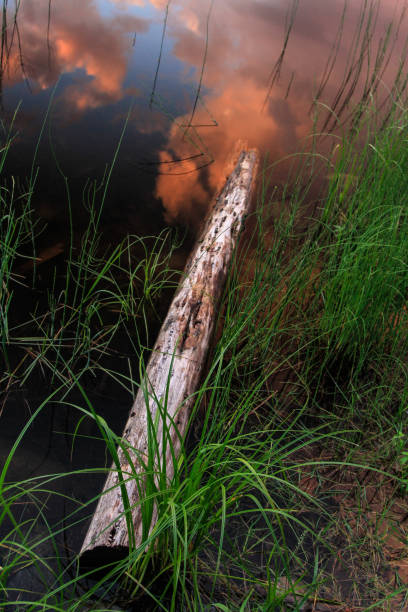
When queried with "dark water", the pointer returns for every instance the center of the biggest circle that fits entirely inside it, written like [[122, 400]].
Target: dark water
[[182, 81]]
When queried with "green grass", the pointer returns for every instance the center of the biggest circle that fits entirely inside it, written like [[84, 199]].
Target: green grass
[[302, 410], [307, 371]]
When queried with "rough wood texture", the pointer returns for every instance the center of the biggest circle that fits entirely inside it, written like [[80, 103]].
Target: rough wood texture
[[182, 348]]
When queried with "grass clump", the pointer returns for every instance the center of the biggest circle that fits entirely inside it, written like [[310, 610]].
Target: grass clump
[[363, 284]]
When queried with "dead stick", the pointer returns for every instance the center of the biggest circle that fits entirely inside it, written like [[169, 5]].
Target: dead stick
[[172, 376]]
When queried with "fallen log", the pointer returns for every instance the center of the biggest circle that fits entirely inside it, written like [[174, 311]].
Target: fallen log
[[159, 416]]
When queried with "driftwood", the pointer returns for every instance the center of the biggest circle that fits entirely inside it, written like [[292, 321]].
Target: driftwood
[[174, 369]]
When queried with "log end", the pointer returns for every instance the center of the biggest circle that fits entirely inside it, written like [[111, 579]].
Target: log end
[[100, 559]]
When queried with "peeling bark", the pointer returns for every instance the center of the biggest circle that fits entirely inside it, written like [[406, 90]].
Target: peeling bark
[[174, 370]]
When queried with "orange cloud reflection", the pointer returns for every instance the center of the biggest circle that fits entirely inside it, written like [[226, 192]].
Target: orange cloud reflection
[[245, 40]]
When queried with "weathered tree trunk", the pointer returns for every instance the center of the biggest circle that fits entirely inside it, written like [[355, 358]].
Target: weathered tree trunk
[[173, 371]]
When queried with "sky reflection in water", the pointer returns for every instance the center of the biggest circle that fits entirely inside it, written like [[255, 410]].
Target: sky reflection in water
[[102, 54]]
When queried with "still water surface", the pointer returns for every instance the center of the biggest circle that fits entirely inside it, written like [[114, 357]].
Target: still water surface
[[192, 76]]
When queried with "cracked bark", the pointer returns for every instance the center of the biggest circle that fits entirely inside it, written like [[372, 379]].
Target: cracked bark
[[174, 369]]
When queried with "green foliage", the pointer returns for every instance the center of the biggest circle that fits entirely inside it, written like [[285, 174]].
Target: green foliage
[[365, 268], [231, 526], [309, 354]]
